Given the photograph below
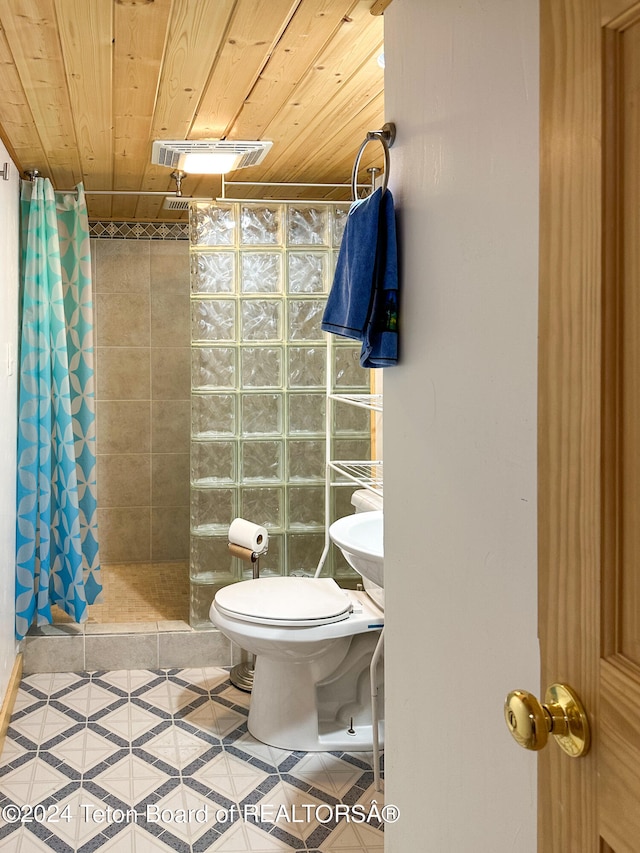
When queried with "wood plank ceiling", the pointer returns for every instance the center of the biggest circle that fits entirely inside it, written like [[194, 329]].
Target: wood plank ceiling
[[87, 85]]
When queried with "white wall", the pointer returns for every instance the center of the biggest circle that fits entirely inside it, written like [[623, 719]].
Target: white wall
[[8, 384], [461, 83]]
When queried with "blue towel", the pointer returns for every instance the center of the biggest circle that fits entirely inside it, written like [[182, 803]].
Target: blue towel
[[380, 344], [363, 302]]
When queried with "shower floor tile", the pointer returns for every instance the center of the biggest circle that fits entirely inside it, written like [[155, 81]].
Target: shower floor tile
[[139, 592], [151, 761]]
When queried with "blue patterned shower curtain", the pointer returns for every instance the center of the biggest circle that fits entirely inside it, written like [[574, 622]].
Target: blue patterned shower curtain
[[57, 558]]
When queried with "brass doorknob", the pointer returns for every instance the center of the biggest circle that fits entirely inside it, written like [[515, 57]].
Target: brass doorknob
[[562, 716]]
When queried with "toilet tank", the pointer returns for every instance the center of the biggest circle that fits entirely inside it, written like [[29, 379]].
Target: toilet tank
[[365, 501]]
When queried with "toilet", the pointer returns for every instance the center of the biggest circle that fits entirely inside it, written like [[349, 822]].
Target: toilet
[[313, 643]]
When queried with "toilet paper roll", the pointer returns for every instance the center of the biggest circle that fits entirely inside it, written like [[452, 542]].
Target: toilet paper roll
[[248, 535]]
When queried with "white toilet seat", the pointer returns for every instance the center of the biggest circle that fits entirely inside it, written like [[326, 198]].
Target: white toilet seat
[[285, 601]]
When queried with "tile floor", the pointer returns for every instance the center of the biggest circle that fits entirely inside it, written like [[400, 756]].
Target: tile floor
[[137, 592], [150, 761]]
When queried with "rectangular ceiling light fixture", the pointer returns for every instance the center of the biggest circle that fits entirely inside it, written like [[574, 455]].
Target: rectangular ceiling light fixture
[[208, 156]]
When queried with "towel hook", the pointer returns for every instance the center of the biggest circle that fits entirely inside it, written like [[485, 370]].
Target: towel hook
[[387, 137]]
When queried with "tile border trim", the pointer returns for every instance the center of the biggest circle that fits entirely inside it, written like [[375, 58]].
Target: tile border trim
[[108, 230]]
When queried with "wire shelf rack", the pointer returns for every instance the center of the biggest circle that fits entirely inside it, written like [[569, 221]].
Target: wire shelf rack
[[373, 402], [367, 475]]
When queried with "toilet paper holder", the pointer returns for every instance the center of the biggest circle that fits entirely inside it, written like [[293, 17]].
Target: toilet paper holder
[[241, 675], [248, 556]]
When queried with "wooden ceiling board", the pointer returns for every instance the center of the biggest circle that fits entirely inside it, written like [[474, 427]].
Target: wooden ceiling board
[[86, 36], [253, 34], [344, 76], [195, 36], [19, 136], [140, 36], [32, 34], [357, 38], [318, 126], [89, 84], [379, 6], [313, 25], [332, 158]]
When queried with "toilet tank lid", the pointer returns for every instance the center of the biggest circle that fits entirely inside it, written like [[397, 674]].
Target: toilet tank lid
[[365, 500]]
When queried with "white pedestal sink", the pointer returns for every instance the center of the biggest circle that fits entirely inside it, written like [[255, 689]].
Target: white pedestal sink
[[360, 538]]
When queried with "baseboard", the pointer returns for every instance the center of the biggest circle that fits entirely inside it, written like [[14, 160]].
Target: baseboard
[[10, 698]]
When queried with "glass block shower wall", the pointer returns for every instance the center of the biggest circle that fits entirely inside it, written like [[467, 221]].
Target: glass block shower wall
[[260, 275]]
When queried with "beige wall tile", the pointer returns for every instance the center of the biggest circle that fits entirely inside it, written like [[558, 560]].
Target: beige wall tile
[[93, 246], [124, 479], [123, 373], [198, 648], [170, 320], [143, 391], [53, 654], [171, 625], [122, 266], [170, 533], [122, 651], [170, 373], [170, 426], [123, 426], [170, 265], [123, 320], [170, 479], [124, 534]]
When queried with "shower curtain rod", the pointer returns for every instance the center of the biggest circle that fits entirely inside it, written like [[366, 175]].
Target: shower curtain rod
[[177, 176], [314, 201], [167, 194], [373, 171], [286, 184], [223, 197], [219, 198], [290, 183]]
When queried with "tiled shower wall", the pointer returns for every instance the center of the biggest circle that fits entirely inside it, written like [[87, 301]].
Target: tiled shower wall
[[142, 339]]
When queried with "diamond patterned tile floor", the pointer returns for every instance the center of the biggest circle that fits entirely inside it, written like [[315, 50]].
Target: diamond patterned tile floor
[[151, 761]]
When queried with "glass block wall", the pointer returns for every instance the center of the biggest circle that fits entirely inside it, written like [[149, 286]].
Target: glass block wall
[[260, 274]]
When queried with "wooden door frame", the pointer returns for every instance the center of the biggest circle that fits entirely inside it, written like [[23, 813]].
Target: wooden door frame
[[570, 383]]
